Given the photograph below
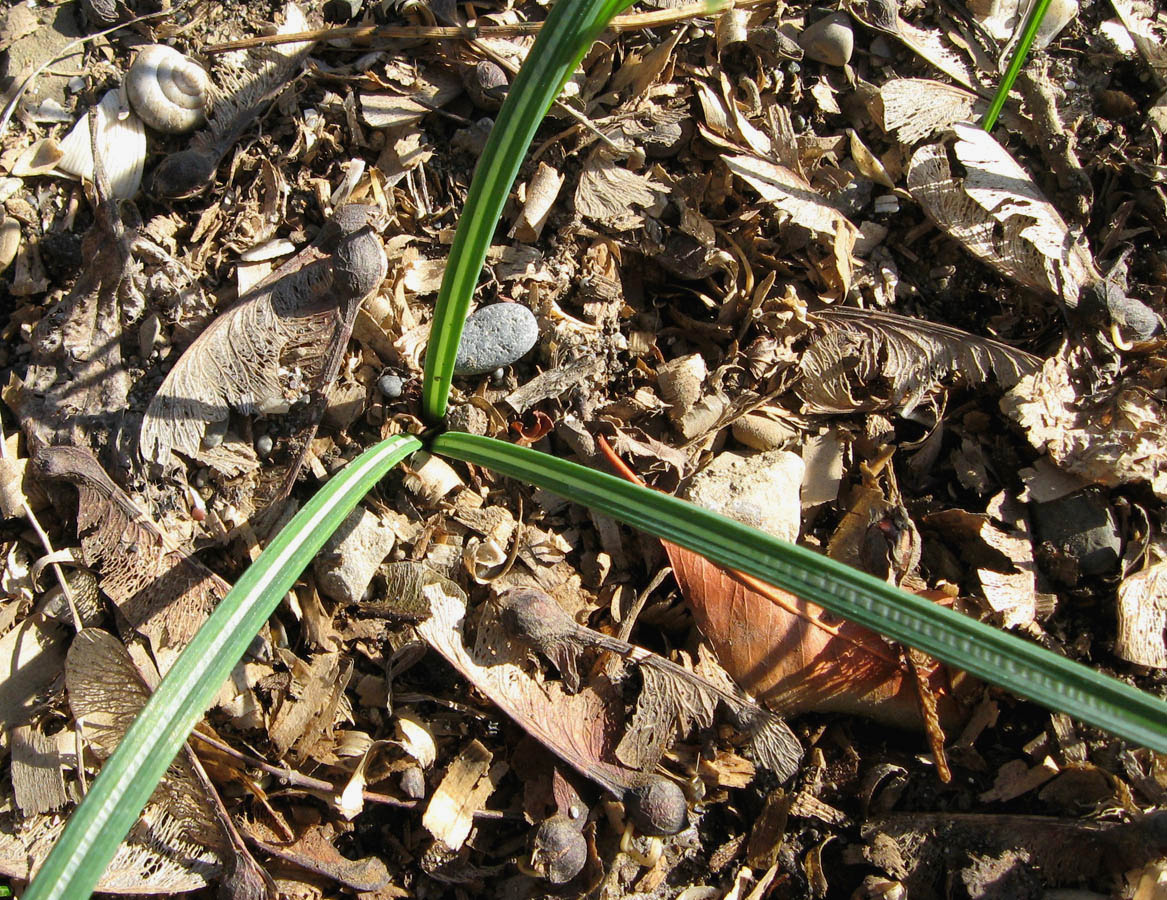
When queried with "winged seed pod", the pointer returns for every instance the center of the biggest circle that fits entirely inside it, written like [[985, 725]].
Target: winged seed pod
[[168, 91]]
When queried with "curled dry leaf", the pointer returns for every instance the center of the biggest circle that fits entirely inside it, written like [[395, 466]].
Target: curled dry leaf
[[1107, 432], [871, 360], [160, 590], [1142, 611], [300, 316], [972, 188], [782, 650]]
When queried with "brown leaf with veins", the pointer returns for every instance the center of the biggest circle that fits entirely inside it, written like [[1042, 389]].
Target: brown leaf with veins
[[789, 653], [161, 591], [184, 822]]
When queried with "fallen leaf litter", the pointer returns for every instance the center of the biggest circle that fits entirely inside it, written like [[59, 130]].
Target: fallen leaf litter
[[768, 237]]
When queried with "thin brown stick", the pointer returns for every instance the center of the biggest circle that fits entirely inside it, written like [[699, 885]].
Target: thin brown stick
[[300, 780], [627, 22]]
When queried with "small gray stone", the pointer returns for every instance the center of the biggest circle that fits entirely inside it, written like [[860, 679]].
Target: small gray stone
[[263, 445], [1081, 525], [391, 385], [495, 336], [830, 40], [351, 556]]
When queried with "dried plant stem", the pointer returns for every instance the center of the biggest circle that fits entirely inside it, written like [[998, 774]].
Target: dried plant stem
[[629, 22]]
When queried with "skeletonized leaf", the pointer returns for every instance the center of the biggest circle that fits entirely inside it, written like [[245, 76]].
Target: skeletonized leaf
[[916, 108], [160, 590], [973, 189], [869, 360], [184, 823], [243, 360]]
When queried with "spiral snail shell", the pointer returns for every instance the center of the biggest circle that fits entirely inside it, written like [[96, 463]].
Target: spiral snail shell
[[168, 90]]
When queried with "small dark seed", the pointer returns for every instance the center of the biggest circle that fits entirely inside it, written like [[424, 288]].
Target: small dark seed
[[558, 849], [657, 807]]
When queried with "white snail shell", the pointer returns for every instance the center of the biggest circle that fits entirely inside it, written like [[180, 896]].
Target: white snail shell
[[168, 90]]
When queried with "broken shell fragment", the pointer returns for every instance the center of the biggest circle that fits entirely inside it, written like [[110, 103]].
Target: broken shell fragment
[[121, 141], [9, 241], [169, 91]]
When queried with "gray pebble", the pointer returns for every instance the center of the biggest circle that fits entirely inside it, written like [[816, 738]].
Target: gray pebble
[[495, 336], [391, 385], [830, 40], [413, 783], [263, 445]]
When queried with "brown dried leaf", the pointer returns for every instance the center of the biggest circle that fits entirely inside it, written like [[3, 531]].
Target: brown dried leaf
[[160, 590], [1107, 432], [870, 360], [781, 649], [993, 208]]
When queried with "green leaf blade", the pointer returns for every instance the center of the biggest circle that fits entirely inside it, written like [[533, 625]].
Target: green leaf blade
[[129, 776], [570, 29], [958, 640], [1016, 63]]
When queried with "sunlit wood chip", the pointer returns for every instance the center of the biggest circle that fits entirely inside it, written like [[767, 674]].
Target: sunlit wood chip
[[468, 782]]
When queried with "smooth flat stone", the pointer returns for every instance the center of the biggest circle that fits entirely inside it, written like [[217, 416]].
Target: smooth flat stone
[[829, 40], [495, 336]]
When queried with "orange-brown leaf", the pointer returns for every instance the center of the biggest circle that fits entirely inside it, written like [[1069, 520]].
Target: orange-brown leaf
[[790, 653]]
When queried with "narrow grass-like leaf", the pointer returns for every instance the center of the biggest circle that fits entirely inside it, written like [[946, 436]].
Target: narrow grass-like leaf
[[1020, 54], [989, 653], [569, 31], [130, 775]]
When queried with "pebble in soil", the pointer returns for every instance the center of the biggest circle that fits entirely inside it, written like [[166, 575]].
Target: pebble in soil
[[390, 385], [495, 336], [829, 40]]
